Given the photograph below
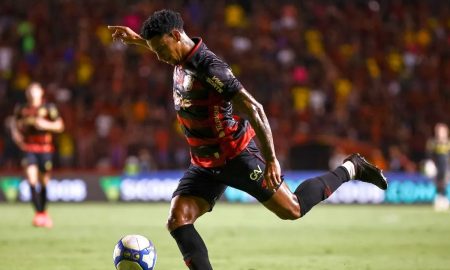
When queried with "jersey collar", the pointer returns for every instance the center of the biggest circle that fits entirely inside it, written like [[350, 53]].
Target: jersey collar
[[192, 58]]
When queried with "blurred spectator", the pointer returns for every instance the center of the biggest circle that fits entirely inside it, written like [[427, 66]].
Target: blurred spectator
[[374, 72], [337, 158], [399, 161]]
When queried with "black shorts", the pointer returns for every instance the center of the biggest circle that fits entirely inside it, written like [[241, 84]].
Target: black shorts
[[42, 160], [441, 166], [244, 172]]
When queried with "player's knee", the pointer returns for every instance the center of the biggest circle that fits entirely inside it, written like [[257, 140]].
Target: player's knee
[[291, 213], [174, 221]]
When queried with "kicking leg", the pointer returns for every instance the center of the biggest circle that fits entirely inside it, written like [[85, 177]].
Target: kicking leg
[[312, 191], [245, 172], [184, 211], [288, 205]]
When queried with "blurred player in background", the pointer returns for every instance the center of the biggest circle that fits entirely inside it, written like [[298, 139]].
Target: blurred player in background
[[31, 129], [223, 152], [438, 150]]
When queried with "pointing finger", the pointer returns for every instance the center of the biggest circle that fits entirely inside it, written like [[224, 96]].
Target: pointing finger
[[116, 27]]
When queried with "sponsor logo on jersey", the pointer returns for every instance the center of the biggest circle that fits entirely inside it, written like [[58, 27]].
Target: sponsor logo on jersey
[[42, 112], [215, 83]]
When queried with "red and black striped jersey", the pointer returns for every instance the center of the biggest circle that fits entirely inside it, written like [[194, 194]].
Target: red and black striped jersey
[[203, 86], [38, 141]]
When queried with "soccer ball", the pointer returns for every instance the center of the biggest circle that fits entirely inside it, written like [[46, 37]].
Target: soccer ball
[[134, 252], [429, 168]]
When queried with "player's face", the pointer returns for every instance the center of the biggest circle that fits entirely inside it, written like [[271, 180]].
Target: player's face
[[35, 93], [441, 131], [165, 48]]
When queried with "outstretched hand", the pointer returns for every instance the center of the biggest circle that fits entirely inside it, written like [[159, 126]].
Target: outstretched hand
[[126, 35]]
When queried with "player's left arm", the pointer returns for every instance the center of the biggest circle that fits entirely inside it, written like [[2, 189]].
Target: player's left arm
[[54, 123], [127, 36], [247, 104]]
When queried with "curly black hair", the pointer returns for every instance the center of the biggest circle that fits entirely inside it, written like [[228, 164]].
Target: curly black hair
[[161, 22]]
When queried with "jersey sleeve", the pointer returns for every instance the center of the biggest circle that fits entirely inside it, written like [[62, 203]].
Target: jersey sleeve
[[218, 76], [53, 112]]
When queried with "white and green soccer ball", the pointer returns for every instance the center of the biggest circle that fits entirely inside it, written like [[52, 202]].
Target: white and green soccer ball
[[134, 252]]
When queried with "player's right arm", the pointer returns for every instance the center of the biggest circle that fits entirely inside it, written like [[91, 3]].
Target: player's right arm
[[127, 36], [16, 135]]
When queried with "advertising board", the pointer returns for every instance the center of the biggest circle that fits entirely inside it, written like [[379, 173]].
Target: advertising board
[[159, 186]]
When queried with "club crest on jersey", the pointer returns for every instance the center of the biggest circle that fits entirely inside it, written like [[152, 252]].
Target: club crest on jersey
[[183, 81], [42, 112]]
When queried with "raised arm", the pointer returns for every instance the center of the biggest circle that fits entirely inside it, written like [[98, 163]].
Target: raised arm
[[127, 36], [247, 104]]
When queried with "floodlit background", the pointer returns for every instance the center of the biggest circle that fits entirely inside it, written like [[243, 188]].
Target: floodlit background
[[335, 77]]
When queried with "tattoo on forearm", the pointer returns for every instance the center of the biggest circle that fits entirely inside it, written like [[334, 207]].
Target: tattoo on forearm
[[262, 128]]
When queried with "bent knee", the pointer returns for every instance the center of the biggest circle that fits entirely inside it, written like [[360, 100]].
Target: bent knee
[[175, 221], [289, 214]]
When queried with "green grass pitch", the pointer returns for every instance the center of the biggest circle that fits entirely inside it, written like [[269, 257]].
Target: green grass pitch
[[239, 237]]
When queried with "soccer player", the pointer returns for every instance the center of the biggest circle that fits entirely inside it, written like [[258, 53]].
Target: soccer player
[[31, 129], [438, 150], [222, 146]]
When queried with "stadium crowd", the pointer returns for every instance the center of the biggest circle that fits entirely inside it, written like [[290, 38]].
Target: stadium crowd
[[334, 77]]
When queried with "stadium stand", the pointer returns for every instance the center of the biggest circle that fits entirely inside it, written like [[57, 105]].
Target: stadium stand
[[334, 77]]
